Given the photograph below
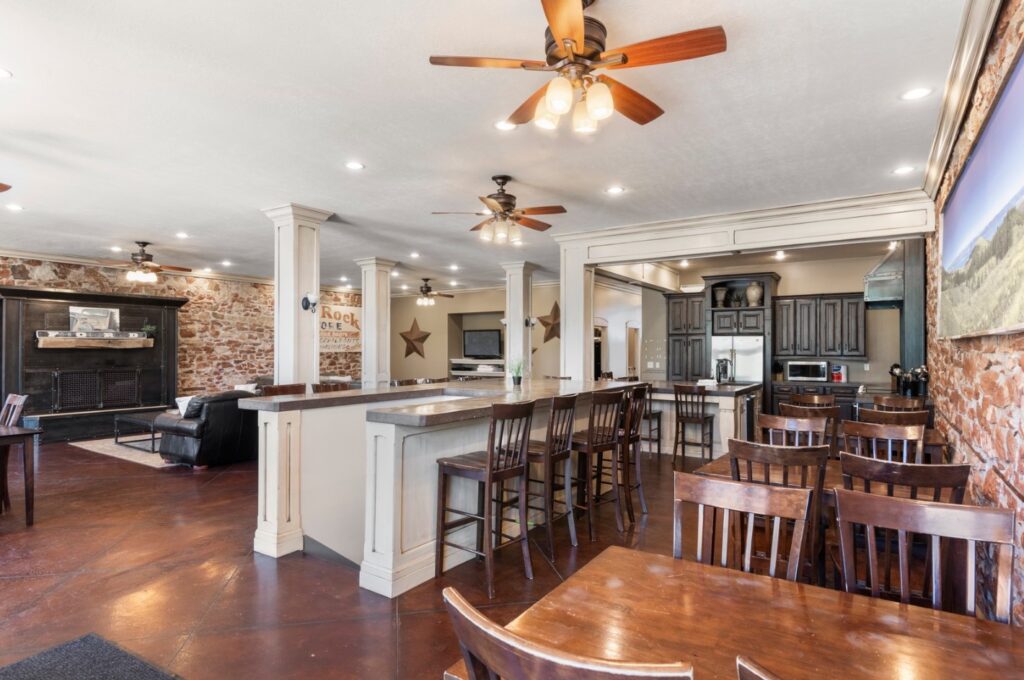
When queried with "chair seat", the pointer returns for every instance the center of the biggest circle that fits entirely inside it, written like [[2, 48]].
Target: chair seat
[[579, 439], [477, 460], [697, 419]]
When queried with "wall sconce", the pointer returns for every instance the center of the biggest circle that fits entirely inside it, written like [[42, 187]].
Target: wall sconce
[[309, 301]]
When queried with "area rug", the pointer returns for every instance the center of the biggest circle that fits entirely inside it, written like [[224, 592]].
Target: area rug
[[87, 658], [107, 447]]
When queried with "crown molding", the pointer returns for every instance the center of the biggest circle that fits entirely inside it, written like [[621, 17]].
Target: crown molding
[[295, 212], [979, 19]]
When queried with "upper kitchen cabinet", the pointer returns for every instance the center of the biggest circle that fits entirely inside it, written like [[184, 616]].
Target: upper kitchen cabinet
[[820, 326], [686, 313], [740, 305]]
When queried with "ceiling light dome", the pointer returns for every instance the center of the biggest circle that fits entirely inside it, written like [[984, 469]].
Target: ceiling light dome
[[543, 118], [559, 95], [599, 101], [581, 120]]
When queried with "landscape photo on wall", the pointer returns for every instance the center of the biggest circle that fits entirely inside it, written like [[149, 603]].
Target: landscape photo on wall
[[982, 240]]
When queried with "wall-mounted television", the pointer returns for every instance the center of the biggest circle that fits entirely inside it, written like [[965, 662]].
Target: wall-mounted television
[[481, 344]]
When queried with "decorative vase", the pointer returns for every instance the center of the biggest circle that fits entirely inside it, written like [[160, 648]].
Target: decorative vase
[[755, 294], [720, 294], [517, 380]]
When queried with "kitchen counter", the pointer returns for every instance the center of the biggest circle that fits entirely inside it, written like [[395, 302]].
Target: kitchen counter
[[722, 390]]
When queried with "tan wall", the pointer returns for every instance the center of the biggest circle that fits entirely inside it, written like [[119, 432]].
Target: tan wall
[[978, 383], [619, 306], [225, 332], [802, 278]]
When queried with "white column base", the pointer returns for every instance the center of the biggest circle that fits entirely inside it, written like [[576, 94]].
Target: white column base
[[272, 544], [278, 517]]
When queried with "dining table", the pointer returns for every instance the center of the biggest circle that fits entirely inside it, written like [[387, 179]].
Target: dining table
[[28, 438], [628, 605]]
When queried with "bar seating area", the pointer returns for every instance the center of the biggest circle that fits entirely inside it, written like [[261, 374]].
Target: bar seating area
[[671, 339]]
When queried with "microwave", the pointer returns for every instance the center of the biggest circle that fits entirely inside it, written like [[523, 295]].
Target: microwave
[[809, 371]]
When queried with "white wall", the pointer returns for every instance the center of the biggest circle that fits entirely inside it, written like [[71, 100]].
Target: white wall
[[620, 305]]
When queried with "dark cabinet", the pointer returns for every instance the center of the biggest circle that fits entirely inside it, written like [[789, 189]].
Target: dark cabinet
[[676, 315], [805, 314], [830, 327], [695, 314], [820, 326], [686, 314], [677, 357], [845, 395], [751, 322], [725, 322], [695, 358], [686, 357], [854, 335], [785, 328]]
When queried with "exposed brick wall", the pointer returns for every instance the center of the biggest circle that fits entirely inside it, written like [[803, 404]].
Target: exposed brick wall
[[978, 384], [226, 331]]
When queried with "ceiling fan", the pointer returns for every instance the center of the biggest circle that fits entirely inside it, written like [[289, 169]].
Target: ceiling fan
[[141, 267], [575, 47], [427, 295], [503, 218]]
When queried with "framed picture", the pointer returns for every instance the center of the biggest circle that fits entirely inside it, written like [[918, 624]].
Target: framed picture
[[981, 288]]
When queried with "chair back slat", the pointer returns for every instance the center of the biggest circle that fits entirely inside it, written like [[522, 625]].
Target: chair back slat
[[561, 419], [914, 477], [738, 501], [690, 401], [605, 415], [903, 443], [895, 402], [636, 403], [11, 412], [321, 388], [278, 390], [509, 436], [786, 431], [813, 399], [935, 520], [491, 651], [831, 413]]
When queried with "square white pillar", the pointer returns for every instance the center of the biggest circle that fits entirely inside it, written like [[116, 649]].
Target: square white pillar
[[376, 336], [296, 273], [518, 308], [576, 292]]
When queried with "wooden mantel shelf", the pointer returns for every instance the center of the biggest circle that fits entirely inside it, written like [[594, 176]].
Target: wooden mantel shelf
[[95, 343]]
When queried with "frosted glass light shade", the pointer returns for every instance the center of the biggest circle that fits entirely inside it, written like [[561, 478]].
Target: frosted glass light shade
[[581, 120], [501, 231], [487, 232], [515, 234], [599, 101], [141, 276], [543, 118], [559, 96]]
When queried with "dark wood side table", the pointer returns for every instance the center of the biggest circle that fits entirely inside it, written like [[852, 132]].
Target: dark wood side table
[[28, 437]]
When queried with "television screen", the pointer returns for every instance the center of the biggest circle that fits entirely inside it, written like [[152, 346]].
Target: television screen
[[481, 344]]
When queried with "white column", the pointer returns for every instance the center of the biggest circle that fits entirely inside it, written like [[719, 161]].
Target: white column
[[576, 293], [278, 522], [376, 336], [518, 309], [296, 273]]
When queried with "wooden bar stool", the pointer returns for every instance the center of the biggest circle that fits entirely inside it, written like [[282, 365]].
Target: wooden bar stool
[[556, 448], [691, 409], [633, 405], [601, 435], [653, 420], [505, 459]]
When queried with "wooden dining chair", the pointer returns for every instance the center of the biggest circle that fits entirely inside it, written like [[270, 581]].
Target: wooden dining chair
[[938, 521], [279, 390], [691, 409], [555, 450], [600, 437], [491, 651], [748, 669], [813, 399], [880, 417], [9, 416], [830, 413], [321, 388], [505, 459], [801, 467], [902, 443], [740, 501], [896, 402], [787, 431]]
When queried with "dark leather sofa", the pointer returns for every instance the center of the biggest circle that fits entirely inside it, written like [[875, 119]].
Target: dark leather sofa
[[213, 431]]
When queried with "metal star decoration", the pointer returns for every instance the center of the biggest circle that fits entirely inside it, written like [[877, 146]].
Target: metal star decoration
[[552, 323], [414, 339]]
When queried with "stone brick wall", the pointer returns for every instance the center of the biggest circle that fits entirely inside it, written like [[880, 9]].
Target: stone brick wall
[[978, 383], [226, 331]]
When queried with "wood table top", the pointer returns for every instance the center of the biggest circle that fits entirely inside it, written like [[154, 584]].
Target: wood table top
[[15, 431], [628, 605]]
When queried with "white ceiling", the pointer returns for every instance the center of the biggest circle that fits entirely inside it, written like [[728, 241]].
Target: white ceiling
[[132, 119]]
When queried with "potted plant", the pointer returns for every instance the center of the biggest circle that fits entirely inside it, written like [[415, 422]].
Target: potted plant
[[516, 369]]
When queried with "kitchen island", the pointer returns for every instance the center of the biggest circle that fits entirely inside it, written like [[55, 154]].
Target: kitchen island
[[727, 402]]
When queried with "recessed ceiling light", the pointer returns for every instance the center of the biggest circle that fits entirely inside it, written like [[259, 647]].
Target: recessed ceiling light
[[453, 267], [780, 254], [343, 278], [207, 270], [4, 74], [505, 126], [181, 234], [348, 286], [226, 263], [916, 93], [414, 255], [405, 287], [454, 282], [115, 249], [903, 170], [14, 207], [615, 190], [394, 273], [684, 263], [354, 165]]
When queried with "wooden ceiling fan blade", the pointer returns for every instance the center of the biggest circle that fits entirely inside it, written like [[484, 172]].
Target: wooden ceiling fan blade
[[115, 263], [459, 213], [481, 225], [172, 268], [678, 47], [491, 204], [532, 224], [442, 295], [486, 62], [565, 17], [631, 103], [4, 187], [543, 210], [524, 114]]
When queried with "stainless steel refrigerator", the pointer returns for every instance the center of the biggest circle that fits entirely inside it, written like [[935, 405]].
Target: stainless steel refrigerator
[[745, 353]]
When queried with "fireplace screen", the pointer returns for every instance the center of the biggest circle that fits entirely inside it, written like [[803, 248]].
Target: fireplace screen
[[85, 390]]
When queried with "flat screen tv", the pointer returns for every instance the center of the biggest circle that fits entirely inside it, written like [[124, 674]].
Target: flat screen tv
[[481, 344]]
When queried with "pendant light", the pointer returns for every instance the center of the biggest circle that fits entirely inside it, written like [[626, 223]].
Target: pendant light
[[599, 101], [559, 95]]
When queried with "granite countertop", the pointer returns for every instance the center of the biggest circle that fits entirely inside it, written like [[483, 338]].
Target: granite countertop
[[723, 389]]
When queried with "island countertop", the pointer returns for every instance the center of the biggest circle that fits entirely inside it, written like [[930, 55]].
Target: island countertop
[[721, 390]]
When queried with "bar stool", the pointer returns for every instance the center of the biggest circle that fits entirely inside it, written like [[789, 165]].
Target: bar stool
[[556, 448], [630, 447], [691, 409], [504, 459], [653, 420], [601, 435]]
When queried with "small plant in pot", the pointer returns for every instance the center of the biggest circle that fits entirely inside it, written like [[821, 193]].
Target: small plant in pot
[[516, 370]]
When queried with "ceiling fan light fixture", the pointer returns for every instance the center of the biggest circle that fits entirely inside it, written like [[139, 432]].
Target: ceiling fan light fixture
[[599, 101], [560, 95], [581, 120], [141, 276], [501, 231], [515, 234], [487, 232], [543, 118]]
